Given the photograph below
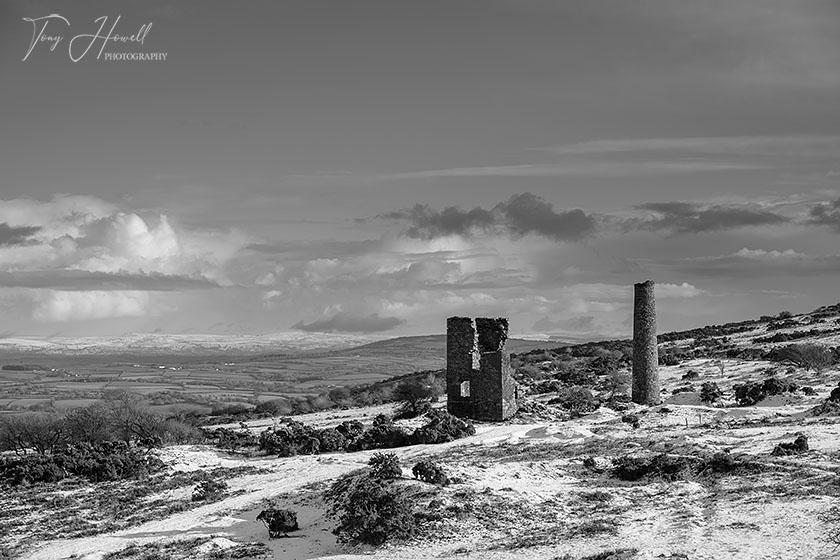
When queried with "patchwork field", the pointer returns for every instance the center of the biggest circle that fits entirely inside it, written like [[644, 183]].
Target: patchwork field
[[68, 381]]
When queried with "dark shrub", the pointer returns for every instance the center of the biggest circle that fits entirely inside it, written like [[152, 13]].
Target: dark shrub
[[547, 386], [209, 490], [750, 393], [370, 510], [577, 400], [350, 429], [674, 467], [110, 460], [412, 410], [806, 390], [573, 374], [710, 392], [232, 439], [385, 465], [382, 420], [279, 522], [429, 471], [30, 469], [292, 438], [796, 447], [331, 440], [663, 466], [310, 445], [97, 463], [631, 419], [827, 408], [441, 428], [668, 359], [683, 389], [383, 435], [690, 375]]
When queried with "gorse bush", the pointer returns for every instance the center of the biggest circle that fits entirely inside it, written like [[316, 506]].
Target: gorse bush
[[676, 467], [710, 392], [209, 490], [350, 429], [279, 522], [577, 400], [384, 434], [99, 462], [295, 438], [292, 438], [429, 471], [830, 517], [385, 466], [231, 440], [370, 510], [442, 427], [750, 393]]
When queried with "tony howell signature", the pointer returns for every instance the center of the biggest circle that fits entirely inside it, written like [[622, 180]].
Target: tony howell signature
[[79, 45]]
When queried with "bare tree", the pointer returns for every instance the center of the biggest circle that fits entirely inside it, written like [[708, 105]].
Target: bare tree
[[39, 432]]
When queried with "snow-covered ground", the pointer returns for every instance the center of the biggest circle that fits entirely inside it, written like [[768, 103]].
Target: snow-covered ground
[[532, 471], [754, 519]]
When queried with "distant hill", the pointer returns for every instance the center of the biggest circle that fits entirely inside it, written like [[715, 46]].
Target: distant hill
[[433, 345]]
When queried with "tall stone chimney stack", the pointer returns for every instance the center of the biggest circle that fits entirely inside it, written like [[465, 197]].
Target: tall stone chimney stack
[[645, 357]]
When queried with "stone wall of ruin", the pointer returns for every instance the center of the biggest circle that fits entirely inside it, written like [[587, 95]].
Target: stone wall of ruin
[[476, 353]]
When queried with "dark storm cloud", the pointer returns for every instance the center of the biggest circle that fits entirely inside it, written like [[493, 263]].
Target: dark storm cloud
[[687, 217], [83, 280], [350, 323], [522, 214], [826, 214], [16, 235]]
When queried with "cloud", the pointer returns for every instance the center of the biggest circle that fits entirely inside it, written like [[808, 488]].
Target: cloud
[[127, 242], [521, 215], [771, 146], [686, 217], [16, 235], [67, 253], [428, 224], [826, 214], [82, 280], [756, 263], [677, 291], [349, 322], [63, 306], [86, 233], [584, 323], [579, 167]]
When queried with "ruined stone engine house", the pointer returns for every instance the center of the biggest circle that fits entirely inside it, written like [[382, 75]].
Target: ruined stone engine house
[[478, 378]]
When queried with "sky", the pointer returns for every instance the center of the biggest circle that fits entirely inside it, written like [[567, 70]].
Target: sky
[[375, 167]]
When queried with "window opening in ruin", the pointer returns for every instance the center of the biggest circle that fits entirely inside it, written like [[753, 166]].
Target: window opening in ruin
[[465, 389]]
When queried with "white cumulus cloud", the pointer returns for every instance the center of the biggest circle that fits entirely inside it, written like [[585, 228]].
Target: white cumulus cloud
[[63, 306]]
